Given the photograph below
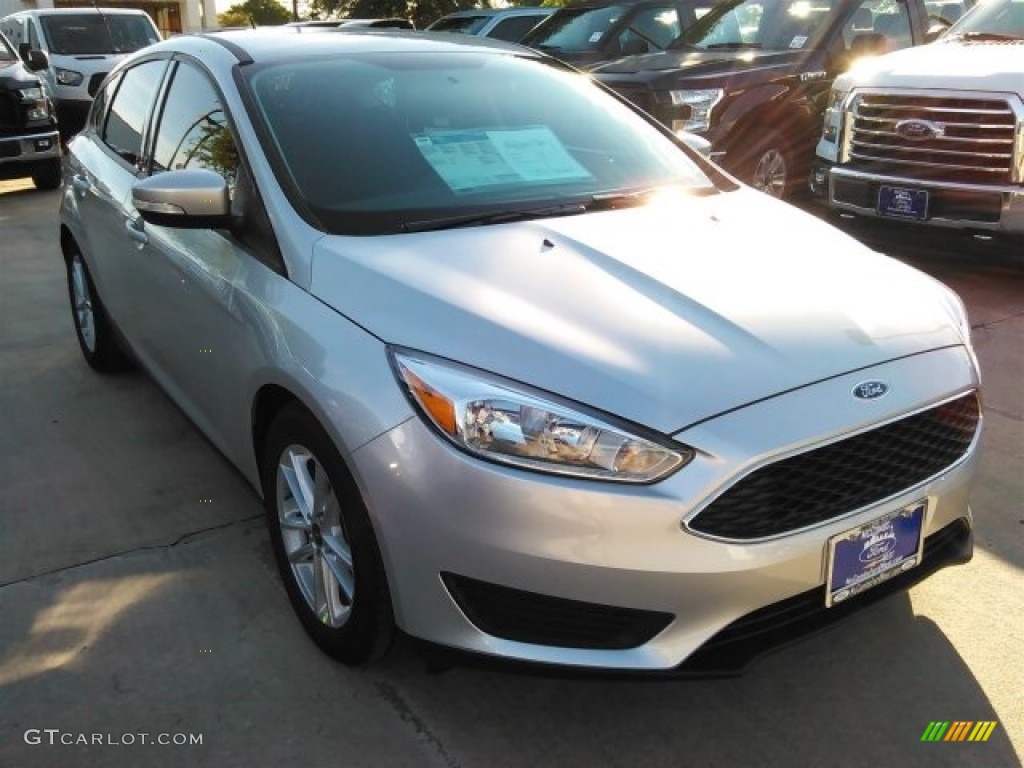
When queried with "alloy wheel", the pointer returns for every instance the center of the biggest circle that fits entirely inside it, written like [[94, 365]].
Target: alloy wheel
[[770, 173], [81, 299], [314, 536]]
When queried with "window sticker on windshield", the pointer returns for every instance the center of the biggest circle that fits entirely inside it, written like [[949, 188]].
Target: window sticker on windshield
[[468, 160], [798, 41]]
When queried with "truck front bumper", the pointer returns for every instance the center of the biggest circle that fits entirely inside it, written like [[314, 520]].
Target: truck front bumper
[[988, 208], [19, 152]]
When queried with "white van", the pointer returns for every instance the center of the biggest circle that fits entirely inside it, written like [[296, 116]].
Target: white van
[[82, 45]]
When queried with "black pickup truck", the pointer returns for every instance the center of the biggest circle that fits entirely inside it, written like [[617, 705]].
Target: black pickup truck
[[753, 77], [29, 141]]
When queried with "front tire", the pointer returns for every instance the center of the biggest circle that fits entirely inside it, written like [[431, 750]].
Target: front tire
[[323, 541], [769, 167], [47, 175], [92, 327]]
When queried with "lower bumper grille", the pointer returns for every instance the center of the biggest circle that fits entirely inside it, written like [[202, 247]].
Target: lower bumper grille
[[529, 617], [731, 650], [837, 479], [943, 203]]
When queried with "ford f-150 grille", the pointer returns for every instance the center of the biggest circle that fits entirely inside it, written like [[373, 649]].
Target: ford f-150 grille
[[934, 138], [844, 476]]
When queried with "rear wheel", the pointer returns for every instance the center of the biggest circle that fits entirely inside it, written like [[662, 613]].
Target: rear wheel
[[323, 541], [47, 175], [99, 347]]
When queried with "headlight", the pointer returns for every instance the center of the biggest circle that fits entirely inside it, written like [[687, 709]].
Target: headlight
[[494, 420], [31, 94], [68, 77], [700, 104], [834, 115]]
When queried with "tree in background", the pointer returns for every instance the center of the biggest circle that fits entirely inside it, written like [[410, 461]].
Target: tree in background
[[254, 13]]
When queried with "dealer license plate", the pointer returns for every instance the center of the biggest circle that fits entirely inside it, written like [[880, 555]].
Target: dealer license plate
[[874, 552], [903, 203]]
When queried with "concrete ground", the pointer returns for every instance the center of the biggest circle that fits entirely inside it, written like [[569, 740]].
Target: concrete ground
[[138, 596]]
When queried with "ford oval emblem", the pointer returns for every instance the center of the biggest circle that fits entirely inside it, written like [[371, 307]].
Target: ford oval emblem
[[919, 130], [870, 390]]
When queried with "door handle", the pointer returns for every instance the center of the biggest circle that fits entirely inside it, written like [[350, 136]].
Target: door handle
[[136, 230], [81, 184]]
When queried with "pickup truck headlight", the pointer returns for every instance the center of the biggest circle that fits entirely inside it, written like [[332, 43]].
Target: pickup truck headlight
[[30, 94], [834, 115], [68, 77], [700, 104], [494, 420]]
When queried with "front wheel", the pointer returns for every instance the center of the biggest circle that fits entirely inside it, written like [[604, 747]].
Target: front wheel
[[323, 541], [769, 167]]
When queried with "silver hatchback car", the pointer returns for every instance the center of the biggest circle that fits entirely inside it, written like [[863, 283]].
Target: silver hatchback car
[[515, 372]]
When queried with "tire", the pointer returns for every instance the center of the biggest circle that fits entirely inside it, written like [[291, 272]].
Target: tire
[[47, 176], [99, 346], [769, 166], [323, 541]]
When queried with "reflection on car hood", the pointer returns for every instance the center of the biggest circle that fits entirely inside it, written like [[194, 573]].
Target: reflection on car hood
[[665, 314], [954, 63]]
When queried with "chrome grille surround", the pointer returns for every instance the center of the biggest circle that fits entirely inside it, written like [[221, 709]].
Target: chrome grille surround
[[980, 136]]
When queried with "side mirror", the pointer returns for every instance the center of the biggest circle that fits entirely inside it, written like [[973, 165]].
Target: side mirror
[[23, 49], [634, 47], [187, 199], [36, 60]]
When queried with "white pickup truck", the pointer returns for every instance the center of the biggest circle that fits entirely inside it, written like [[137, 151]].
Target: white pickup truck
[[934, 134]]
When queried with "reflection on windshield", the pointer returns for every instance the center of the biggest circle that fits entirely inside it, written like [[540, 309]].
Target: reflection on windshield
[[773, 25], [427, 136], [94, 33], [575, 29], [1002, 18]]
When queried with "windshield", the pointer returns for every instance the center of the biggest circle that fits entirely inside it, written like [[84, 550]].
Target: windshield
[[93, 33], [574, 30], [370, 143], [771, 25], [466, 24], [6, 52], [992, 17]]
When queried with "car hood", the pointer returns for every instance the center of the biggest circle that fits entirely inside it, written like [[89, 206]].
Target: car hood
[[664, 314], [949, 64]]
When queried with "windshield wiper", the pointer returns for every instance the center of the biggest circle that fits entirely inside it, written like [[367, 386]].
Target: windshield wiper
[[983, 36], [496, 217]]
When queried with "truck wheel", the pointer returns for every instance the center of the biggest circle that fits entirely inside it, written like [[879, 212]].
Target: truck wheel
[[769, 166], [47, 175]]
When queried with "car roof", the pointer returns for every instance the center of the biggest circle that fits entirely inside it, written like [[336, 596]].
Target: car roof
[[279, 43], [83, 11]]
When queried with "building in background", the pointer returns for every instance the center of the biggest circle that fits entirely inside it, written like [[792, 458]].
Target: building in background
[[171, 17]]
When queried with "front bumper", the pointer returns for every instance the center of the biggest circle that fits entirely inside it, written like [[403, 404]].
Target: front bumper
[[992, 209], [441, 513], [27, 149]]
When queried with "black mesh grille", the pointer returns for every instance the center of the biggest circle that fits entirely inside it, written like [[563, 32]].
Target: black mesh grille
[[10, 119], [839, 478], [529, 617]]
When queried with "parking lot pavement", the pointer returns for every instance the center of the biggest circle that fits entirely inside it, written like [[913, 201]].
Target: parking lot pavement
[[138, 596]]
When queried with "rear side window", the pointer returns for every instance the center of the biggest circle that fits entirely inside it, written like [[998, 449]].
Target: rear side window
[[132, 103], [193, 130]]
